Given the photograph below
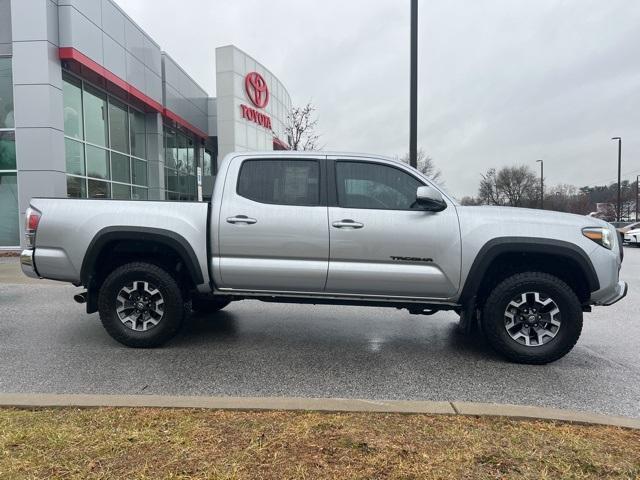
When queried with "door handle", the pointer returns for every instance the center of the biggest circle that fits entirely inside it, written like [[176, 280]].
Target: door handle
[[242, 219], [347, 223]]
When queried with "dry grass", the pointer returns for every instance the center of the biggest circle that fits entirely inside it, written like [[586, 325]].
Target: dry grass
[[187, 444]]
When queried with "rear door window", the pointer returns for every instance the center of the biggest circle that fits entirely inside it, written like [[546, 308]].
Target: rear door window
[[280, 182]]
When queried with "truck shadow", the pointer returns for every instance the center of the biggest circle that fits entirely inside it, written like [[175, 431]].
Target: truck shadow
[[228, 328], [472, 344], [200, 328]]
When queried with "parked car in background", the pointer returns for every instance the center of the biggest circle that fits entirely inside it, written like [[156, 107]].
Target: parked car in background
[[626, 227], [632, 236]]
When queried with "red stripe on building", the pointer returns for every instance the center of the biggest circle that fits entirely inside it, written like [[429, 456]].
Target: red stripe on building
[[70, 53]]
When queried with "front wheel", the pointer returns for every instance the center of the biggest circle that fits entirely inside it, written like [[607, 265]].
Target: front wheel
[[533, 318], [141, 305]]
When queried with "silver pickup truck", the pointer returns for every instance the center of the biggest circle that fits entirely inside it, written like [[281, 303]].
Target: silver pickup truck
[[336, 229]]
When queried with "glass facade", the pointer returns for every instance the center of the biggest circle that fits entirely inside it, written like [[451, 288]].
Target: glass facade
[[105, 144], [181, 160], [9, 218]]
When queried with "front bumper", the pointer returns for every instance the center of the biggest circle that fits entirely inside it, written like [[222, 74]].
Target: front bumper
[[27, 264], [619, 293]]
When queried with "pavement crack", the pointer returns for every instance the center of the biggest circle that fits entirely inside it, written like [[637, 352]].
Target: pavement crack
[[454, 408]]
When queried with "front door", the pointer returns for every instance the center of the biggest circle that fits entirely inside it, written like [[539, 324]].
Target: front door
[[273, 227], [381, 243]]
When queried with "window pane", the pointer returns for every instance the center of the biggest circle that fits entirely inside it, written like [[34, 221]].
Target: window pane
[[98, 189], [74, 155], [139, 193], [206, 164], [6, 95], [170, 153], [76, 187], [191, 168], [182, 183], [72, 94], [9, 231], [139, 172], [121, 192], [182, 154], [285, 182], [97, 162], [7, 151], [172, 180], [118, 126], [191, 186], [368, 185], [120, 168], [95, 116], [138, 140]]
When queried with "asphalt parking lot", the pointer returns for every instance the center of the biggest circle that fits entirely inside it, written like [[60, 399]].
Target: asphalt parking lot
[[49, 345]]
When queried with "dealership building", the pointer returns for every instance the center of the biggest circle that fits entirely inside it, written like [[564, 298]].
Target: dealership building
[[91, 107]]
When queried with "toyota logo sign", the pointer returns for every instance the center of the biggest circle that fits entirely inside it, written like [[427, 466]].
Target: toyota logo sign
[[257, 90]]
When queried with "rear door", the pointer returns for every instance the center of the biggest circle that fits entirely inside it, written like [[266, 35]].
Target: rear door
[[382, 244], [273, 225]]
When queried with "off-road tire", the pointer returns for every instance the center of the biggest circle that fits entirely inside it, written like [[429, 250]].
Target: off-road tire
[[175, 308], [209, 304], [493, 318]]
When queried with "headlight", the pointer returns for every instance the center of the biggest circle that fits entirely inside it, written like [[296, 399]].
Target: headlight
[[600, 235]]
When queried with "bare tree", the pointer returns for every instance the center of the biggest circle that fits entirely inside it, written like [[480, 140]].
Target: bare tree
[[470, 201], [426, 166], [514, 186], [519, 184], [511, 187], [488, 192], [300, 129]]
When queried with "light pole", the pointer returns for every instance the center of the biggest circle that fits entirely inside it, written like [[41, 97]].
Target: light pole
[[619, 209], [637, 188], [413, 88], [541, 183]]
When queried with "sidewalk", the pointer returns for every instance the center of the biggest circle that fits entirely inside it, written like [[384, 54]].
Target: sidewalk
[[316, 404]]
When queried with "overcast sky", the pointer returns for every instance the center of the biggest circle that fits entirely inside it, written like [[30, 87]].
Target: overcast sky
[[501, 82]]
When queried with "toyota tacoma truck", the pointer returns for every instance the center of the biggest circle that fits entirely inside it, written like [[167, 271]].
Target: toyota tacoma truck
[[319, 228]]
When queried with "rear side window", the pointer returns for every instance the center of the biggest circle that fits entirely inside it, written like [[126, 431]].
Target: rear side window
[[282, 182]]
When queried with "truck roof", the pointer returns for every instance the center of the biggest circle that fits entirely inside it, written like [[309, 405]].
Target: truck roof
[[311, 153]]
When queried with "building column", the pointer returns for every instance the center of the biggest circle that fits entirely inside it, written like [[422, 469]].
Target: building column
[[155, 155], [38, 107]]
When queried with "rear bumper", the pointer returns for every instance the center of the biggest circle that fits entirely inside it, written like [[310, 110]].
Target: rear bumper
[[27, 264]]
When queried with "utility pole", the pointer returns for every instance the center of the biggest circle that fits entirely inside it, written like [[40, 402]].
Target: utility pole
[[413, 87], [541, 183], [619, 209]]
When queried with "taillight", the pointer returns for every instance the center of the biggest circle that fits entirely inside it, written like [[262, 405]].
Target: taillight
[[32, 219]]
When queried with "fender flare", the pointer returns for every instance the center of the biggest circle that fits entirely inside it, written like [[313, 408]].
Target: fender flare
[[498, 246], [169, 238]]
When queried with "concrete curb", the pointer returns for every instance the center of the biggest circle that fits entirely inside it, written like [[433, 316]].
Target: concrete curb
[[29, 400]]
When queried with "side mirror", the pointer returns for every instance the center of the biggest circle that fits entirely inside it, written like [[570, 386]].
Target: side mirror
[[430, 199]]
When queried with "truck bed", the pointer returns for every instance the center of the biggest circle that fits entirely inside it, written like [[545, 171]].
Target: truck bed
[[69, 227]]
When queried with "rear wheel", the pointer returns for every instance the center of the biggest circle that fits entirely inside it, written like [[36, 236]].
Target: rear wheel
[[141, 305], [532, 318]]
